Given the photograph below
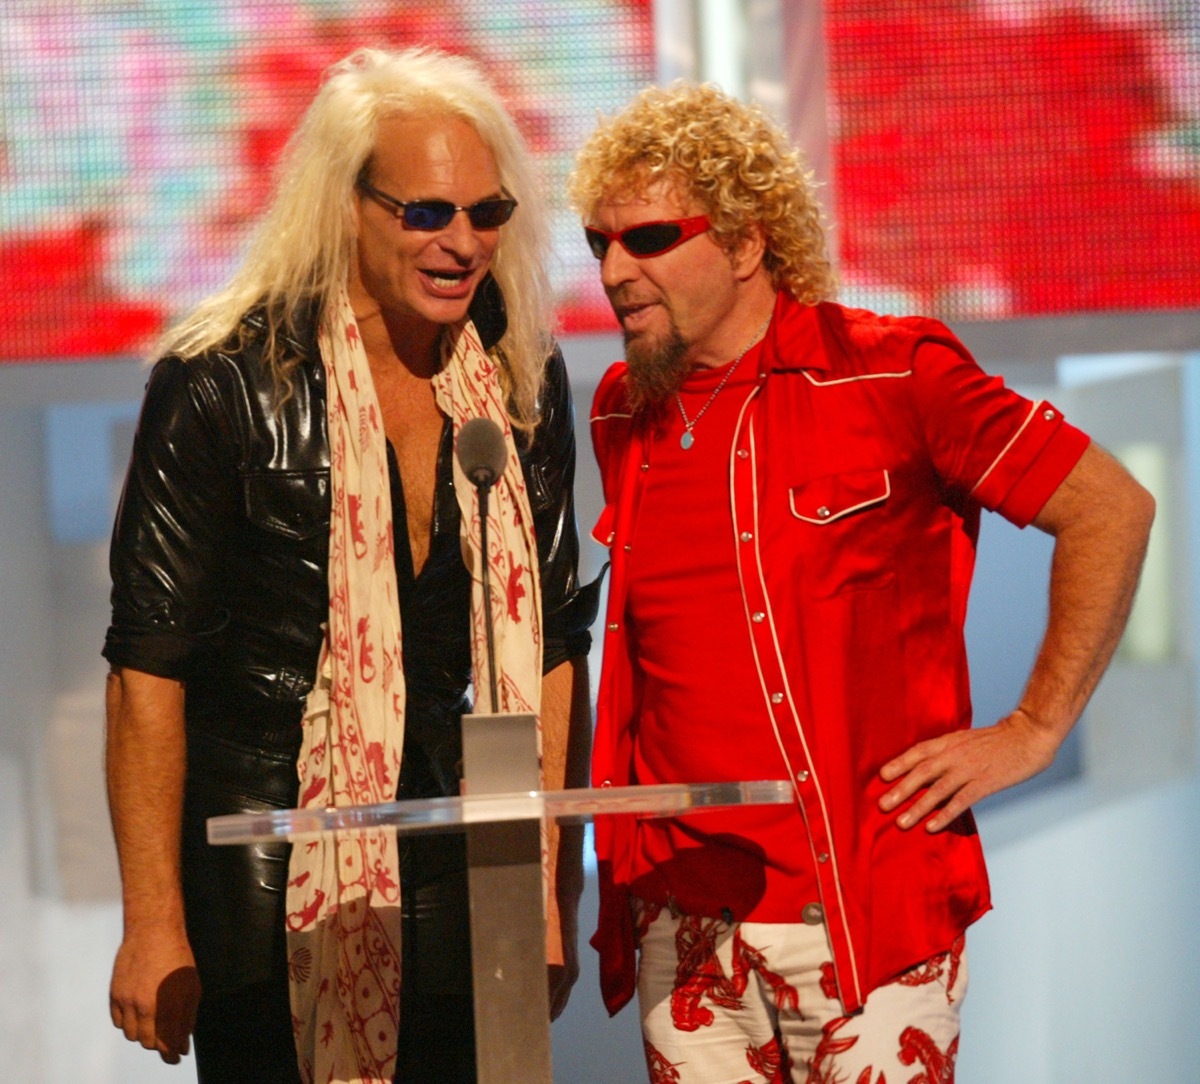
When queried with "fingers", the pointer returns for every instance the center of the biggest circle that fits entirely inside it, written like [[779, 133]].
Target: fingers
[[938, 806], [178, 998], [555, 975], [936, 778], [134, 1017], [561, 979], [161, 1020]]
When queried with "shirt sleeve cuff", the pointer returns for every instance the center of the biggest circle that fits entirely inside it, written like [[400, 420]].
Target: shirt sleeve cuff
[[1050, 464]]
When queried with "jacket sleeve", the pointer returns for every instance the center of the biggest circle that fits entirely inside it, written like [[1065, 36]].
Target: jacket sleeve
[[175, 517], [568, 609]]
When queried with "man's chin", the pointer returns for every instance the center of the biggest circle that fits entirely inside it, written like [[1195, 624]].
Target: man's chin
[[656, 370]]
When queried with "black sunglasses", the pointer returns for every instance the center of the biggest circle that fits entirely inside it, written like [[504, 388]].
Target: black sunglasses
[[436, 214], [648, 238]]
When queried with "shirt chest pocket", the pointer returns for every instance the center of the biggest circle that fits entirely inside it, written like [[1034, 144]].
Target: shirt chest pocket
[[840, 527], [294, 504]]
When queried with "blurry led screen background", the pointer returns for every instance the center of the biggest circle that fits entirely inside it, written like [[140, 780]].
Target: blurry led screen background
[[137, 139], [997, 158], [991, 158]]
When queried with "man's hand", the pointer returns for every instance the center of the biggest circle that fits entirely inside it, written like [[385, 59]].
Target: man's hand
[[561, 979], [562, 919], [566, 749], [953, 772], [155, 991]]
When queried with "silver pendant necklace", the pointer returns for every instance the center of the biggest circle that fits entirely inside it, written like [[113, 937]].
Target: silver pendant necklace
[[687, 439]]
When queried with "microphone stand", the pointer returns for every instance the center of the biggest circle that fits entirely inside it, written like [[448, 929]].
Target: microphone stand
[[481, 488]]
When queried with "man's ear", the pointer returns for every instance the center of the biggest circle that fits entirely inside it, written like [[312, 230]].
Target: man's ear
[[747, 255]]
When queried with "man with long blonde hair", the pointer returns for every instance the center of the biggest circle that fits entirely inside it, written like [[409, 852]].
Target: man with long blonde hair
[[793, 495], [298, 607]]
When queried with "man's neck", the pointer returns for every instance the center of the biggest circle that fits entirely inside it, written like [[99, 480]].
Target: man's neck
[[416, 345], [740, 329]]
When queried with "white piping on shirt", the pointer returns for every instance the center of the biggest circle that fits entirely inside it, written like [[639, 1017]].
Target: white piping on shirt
[[783, 670], [853, 379], [1004, 451], [887, 492]]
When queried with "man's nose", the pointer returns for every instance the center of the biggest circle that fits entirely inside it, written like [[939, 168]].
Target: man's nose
[[617, 266], [459, 236]]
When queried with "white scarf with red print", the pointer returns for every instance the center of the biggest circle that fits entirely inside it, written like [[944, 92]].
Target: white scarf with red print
[[343, 894]]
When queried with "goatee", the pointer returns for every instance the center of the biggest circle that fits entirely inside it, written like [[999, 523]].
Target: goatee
[[656, 369]]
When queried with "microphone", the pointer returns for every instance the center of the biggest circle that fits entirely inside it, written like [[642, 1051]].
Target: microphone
[[481, 452]]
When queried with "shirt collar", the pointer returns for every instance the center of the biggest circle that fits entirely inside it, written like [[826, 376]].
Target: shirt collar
[[794, 339]]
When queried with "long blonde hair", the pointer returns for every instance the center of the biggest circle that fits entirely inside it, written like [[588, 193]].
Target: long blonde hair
[[300, 251], [729, 157]]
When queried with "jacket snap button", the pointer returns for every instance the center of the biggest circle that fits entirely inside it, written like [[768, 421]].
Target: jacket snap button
[[758, 617], [745, 536], [813, 914], [823, 512], [777, 698]]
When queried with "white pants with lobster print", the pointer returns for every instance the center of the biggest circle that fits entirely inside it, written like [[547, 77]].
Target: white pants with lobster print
[[754, 1003]]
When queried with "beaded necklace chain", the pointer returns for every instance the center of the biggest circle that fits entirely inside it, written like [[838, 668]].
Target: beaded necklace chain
[[687, 439]]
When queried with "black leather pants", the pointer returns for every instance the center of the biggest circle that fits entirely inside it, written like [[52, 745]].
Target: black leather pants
[[244, 1036]]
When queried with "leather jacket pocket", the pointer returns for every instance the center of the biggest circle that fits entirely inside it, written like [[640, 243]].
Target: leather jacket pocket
[[842, 531], [293, 503]]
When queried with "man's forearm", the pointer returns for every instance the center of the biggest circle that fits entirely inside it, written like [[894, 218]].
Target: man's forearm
[[155, 989], [566, 749], [145, 764], [1101, 519]]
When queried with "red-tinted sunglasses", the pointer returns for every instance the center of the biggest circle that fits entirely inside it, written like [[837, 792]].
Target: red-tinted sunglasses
[[648, 238]]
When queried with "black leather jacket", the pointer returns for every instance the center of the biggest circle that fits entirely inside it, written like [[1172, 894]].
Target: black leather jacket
[[219, 568]]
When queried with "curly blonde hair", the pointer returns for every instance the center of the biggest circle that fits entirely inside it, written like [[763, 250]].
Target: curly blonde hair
[[300, 252], [725, 155]]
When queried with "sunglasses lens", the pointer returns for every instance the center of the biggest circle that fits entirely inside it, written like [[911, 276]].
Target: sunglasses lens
[[491, 213], [648, 240], [597, 242], [430, 214]]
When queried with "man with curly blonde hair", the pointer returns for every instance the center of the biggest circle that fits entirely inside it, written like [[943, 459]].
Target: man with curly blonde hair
[[793, 494]]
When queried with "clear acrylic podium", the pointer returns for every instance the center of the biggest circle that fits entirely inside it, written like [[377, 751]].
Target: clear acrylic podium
[[502, 812]]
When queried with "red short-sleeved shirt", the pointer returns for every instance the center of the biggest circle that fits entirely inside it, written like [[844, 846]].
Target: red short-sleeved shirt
[[861, 456]]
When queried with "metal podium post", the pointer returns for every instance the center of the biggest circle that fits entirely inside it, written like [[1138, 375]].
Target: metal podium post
[[508, 921]]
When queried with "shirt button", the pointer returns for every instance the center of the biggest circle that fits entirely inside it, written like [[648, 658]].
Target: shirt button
[[822, 857], [823, 512], [813, 914], [1048, 415], [777, 698], [745, 536], [758, 617], [743, 454]]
